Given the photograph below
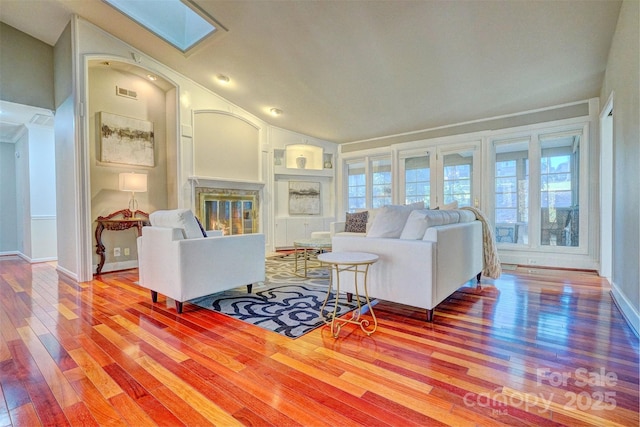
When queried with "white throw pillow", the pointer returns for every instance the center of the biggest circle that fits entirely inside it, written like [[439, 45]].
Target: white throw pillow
[[372, 217], [420, 220], [177, 218], [450, 206], [389, 221]]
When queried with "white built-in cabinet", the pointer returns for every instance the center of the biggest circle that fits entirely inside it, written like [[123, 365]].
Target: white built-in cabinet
[[310, 161]]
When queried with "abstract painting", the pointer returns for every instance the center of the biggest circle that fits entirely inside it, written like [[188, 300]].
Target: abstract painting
[[304, 198], [125, 140]]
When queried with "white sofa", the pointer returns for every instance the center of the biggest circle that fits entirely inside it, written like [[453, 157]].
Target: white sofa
[[419, 270], [177, 261]]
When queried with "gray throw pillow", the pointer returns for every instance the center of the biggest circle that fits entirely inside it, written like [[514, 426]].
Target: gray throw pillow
[[356, 222]]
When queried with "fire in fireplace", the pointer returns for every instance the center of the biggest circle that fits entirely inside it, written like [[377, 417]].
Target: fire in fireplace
[[233, 212]]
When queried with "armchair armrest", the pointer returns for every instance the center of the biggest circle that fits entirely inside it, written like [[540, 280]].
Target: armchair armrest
[[337, 227]]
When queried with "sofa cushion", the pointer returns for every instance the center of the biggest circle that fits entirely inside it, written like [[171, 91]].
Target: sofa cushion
[[448, 206], [372, 217], [390, 221], [420, 220], [356, 222], [177, 218]]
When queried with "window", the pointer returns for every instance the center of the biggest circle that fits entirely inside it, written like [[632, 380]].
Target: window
[[381, 183], [457, 178], [512, 191], [179, 22], [559, 162], [417, 180], [357, 186]]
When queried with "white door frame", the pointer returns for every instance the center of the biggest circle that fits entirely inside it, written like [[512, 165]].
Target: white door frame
[[606, 189]]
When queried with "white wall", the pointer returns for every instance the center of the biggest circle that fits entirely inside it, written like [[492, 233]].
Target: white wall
[[622, 79], [35, 190], [68, 165], [23, 199], [42, 194]]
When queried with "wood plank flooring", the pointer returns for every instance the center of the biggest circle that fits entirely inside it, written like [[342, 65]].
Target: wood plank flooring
[[535, 347]]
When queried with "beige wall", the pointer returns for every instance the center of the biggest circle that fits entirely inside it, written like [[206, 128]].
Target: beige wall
[[622, 78], [8, 201], [29, 63], [106, 198]]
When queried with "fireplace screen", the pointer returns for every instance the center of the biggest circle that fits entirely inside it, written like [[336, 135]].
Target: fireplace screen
[[231, 214]]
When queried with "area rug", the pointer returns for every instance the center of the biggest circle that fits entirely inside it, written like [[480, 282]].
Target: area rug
[[286, 303]]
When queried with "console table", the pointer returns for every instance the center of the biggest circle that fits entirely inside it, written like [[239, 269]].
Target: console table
[[121, 220]]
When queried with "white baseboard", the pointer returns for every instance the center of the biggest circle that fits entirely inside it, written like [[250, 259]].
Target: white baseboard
[[116, 266], [629, 313], [9, 253], [47, 259], [73, 276]]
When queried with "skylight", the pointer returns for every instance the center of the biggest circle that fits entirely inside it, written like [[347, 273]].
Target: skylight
[[175, 21]]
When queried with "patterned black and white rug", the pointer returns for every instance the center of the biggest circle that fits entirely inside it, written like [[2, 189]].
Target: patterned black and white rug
[[287, 304]]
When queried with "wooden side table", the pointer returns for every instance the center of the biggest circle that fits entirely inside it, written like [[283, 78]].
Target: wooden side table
[[121, 220], [358, 263]]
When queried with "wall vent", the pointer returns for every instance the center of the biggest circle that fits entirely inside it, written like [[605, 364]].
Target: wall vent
[[120, 91], [42, 120]]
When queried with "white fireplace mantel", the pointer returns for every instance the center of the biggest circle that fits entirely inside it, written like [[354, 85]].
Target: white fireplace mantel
[[225, 183]]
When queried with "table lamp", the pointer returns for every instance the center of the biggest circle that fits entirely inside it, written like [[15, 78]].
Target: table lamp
[[134, 182]]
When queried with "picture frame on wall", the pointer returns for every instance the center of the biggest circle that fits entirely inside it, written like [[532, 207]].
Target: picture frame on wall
[[126, 140], [304, 198]]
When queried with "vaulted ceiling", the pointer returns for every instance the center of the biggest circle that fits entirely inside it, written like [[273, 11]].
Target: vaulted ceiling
[[353, 70]]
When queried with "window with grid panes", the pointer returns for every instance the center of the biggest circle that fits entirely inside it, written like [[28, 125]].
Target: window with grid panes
[[417, 180], [380, 183], [357, 186]]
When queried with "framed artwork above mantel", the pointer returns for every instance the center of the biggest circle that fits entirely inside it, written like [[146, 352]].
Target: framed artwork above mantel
[[126, 140]]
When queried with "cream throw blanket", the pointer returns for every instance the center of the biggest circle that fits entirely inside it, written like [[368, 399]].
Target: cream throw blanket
[[492, 267]]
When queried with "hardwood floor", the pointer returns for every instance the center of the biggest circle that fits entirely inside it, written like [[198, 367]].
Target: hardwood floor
[[535, 347]]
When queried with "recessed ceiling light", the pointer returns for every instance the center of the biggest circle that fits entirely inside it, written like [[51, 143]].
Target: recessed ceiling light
[[152, 77], [275, 111], [223, 79]]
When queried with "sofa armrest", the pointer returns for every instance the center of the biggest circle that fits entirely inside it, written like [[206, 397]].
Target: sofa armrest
[[458, 255], [215, 233], [214, 264], [337, 227]]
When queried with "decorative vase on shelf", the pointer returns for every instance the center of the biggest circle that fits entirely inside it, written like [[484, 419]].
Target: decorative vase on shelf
[[301, 161]]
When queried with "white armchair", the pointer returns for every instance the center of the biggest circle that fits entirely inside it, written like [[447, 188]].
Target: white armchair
[[177, 261]]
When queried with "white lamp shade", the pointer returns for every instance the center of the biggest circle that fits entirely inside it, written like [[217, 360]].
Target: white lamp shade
[[135, 182]]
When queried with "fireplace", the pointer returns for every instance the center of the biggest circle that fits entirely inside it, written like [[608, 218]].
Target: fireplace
[[232, 211]]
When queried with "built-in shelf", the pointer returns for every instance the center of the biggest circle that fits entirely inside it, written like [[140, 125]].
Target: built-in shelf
[[302, 159]]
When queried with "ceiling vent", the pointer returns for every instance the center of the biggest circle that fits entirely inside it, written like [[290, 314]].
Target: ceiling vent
[[120, 91], [42, 120]]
